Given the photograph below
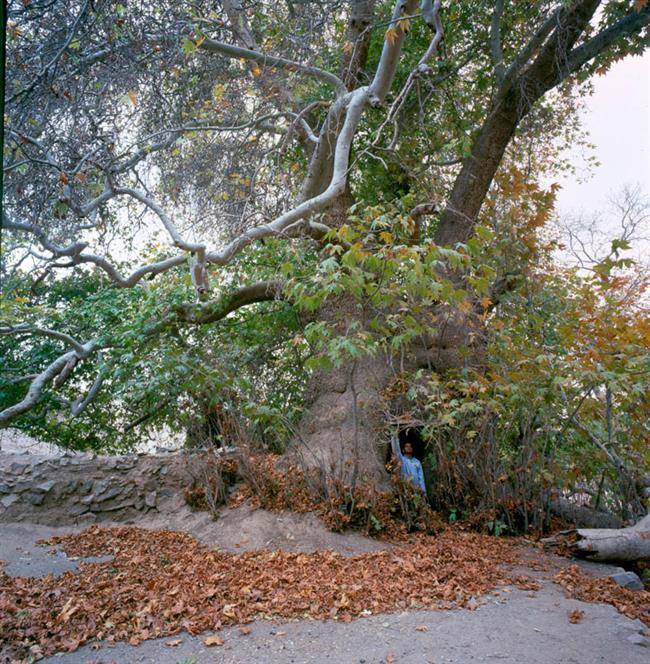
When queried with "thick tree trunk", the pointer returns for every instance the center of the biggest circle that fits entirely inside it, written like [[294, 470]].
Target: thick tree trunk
[[474, 180], [346, 428], [622, 544], [343, 432]]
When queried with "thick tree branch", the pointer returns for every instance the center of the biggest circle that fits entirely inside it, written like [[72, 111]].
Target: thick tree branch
[[523, 85], [321, 164], [75, 252], [355, 50], [58, 371], [80, 404], [25, 328], [390, 53], [340, 129], [152, 269], [354, 103], [433, 14], [213, 311], [213, 46], [36, 389], [532, 47], [239, 22], [417, 213], [586, 52]]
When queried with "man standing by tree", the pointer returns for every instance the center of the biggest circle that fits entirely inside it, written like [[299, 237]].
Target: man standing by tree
[[410, 466]]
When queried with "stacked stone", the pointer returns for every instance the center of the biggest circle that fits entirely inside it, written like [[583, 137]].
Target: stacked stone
[[83, 487]]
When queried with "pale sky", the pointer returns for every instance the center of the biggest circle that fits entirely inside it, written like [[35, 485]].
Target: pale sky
[[618, 120]]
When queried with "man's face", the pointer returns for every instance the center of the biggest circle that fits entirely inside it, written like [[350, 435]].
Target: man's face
[[408, 449]]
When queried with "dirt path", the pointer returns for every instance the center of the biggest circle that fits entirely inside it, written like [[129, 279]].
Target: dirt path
[[516, 626], [520, 629]]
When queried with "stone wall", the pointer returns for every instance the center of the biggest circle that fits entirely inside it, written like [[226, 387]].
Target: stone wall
[[78, 488]]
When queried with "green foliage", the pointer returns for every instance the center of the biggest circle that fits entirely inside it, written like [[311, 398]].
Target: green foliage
[[393, 283], [561, 406], [153, 381], [563, 387], [562, 398]]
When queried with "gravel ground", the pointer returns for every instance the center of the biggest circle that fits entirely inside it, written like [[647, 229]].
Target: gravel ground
[[517, 627]]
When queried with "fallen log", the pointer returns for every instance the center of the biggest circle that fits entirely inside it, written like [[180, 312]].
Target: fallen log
[[583, 516], [605, 544]]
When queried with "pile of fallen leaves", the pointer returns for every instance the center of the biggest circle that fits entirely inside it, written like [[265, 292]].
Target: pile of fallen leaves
[[160, 583], [632, 603]]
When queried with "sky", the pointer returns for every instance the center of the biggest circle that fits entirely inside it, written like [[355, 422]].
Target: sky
[[618, 120]]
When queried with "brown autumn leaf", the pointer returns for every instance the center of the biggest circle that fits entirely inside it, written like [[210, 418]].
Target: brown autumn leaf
[[391, 35], [421, 628], [404, 24], [229, 610], [173, 643], [576, 616], [245, 630], [213, 641], [485, 302], [578, 585], [281, 633], [68, 610]]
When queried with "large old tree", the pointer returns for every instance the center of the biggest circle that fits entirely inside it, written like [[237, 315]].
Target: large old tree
[[148, 141]]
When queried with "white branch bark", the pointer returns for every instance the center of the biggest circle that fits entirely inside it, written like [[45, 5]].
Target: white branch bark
[[331, 166], [51, 373], [42, 331], [75, 252], [345, 114], [355, 103], [277, 62], [80, 404]]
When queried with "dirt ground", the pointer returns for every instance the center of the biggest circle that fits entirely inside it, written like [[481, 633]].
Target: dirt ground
[[510, 625], [246, 529]]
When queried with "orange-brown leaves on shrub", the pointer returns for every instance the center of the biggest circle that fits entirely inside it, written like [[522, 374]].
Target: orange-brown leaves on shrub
[[388, 515]]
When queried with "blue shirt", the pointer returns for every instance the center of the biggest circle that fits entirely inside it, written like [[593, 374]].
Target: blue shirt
[[411, 468]]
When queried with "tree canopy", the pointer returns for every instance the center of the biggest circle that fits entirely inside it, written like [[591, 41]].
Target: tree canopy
[[191, 187]]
